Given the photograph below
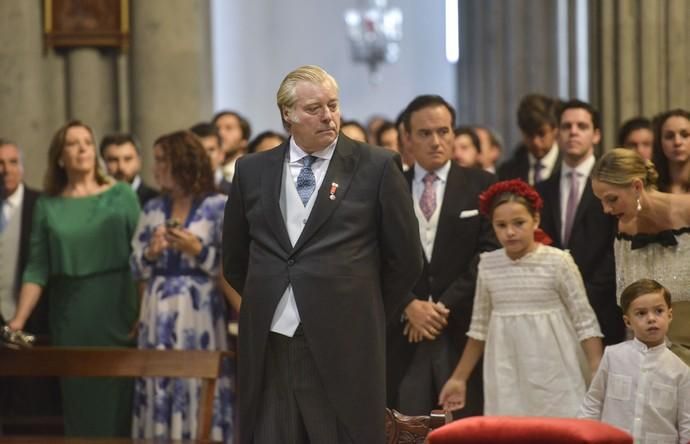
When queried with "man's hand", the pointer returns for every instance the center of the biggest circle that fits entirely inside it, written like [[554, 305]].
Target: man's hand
[[425, 318]]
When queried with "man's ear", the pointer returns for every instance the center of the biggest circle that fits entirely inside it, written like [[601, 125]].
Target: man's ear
[[597, 136], [286, 114]]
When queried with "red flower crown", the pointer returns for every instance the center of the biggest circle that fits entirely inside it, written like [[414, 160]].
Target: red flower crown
[[519, 188], [515, 186]]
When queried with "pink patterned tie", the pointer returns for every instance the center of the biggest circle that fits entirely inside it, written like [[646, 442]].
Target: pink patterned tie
[[427, 202], [571, 208]]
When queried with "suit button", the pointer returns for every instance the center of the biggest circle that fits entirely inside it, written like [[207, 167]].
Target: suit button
[[291, 262]]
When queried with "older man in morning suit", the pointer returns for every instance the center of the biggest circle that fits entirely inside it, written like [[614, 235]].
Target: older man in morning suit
[[424, 348], [322, 243], [19, 396]]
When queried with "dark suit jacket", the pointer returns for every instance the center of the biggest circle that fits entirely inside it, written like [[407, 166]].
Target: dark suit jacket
[[38, 321], [517, 167], [225, 186], [144, 193], [591, 245], [350, 271], [451, 275]]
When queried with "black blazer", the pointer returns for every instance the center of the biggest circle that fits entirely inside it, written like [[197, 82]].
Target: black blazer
[[451, 275], [28, 204], [145, 193], [38, 321], [351, 269], [591, 245], [517, 167]]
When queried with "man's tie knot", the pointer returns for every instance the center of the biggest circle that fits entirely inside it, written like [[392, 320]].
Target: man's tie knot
[[307, 161], [430, 178]]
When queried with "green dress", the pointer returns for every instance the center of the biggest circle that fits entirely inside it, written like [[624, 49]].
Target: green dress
[[79, 253]]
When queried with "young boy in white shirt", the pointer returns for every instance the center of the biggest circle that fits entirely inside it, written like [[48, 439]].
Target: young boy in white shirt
[[641, 386]]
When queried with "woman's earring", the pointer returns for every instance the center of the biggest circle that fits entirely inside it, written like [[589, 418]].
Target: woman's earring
[[639, 205]]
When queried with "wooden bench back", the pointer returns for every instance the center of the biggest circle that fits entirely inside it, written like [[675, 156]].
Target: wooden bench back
[[122, 362]]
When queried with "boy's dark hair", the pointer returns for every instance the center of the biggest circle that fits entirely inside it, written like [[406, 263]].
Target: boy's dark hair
[[630, 125], [579, 104], [205, 129], [471, 133], [118, 139], [244, 123], [641, 288], [535, 111], [426, 101]]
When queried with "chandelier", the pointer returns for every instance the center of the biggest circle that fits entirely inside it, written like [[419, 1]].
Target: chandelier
[[375, 32]]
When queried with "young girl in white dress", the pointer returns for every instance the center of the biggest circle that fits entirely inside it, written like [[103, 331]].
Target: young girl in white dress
[[531, 319]]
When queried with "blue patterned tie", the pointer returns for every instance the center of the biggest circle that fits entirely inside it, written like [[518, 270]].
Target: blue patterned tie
[[306, 182]]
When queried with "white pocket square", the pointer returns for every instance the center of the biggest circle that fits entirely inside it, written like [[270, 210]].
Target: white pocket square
[[468, 213]]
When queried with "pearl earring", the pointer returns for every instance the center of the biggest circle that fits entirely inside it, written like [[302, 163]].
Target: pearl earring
[[639, 205]]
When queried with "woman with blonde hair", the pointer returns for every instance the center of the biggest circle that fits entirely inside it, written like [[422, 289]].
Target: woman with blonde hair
[[653, 238], [78, 255]]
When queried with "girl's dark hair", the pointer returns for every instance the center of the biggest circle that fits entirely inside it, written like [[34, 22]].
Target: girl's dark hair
[[658, 157]]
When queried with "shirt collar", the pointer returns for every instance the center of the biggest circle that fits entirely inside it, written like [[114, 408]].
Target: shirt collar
[[549, 158], [441, 173], [297, 153], [136, 182], [642, 347], [15, 199], [583, 169]]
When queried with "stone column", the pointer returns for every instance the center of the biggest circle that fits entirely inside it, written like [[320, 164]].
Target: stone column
[[32, 100], [170, 65], [640, 64], [91, 89]]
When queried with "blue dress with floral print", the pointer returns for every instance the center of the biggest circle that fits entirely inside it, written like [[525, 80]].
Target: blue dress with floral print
[[182, 308]]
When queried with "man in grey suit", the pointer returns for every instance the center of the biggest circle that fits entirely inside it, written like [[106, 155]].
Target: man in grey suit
[[321, 241]]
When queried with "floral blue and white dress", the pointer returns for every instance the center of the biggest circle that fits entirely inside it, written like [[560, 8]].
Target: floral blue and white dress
[[182, 308]]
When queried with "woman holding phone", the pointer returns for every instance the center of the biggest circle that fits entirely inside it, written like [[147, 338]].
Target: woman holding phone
[[176, 255]]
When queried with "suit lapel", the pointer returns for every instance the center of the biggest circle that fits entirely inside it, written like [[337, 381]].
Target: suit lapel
[[270, 194], [340, 171], [453, 200], [586, 200], [552, 186], [409, 176]]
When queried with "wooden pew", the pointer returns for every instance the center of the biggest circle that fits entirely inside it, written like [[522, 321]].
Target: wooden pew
[[122, 362], [403, 429]]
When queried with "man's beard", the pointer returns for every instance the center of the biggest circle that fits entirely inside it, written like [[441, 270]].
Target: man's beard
[[119, 176]]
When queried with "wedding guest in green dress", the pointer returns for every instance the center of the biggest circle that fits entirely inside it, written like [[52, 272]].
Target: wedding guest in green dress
[[79, 252]]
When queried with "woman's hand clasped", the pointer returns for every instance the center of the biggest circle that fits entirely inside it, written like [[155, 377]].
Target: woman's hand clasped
[[157, 244], [183, 240]]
